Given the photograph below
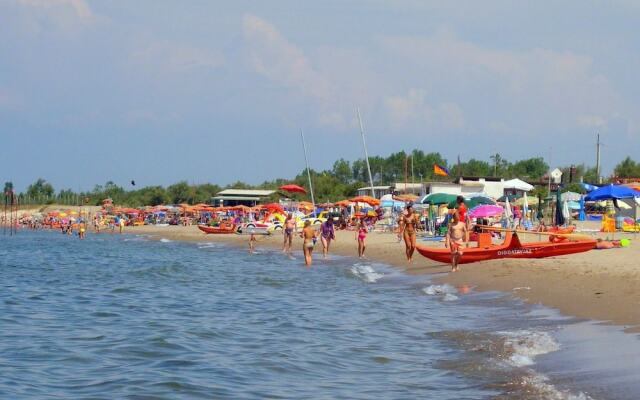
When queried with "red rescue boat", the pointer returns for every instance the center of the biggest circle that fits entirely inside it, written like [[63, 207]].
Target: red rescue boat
[[511, 248], [223, 228]]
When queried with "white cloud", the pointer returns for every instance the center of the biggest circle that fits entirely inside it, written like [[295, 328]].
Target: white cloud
[[176, 57], [276, 58], [79, 7], [414, 110]]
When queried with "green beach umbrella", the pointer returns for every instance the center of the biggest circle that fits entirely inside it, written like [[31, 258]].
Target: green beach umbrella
[[473, 202], [439, 198]]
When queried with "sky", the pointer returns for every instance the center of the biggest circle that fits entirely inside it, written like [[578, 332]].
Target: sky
[[217, 91]]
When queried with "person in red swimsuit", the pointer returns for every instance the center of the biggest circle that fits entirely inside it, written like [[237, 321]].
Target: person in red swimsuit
[[462, 209]]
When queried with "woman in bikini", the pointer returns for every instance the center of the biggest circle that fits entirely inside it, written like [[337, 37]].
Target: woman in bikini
[[309, 236], [361, 235], [409, 224], [327, 235]]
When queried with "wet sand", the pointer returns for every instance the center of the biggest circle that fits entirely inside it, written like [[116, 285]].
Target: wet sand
[[602, 285]]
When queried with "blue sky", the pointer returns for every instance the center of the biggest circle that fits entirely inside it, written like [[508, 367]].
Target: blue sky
[[213, 91]]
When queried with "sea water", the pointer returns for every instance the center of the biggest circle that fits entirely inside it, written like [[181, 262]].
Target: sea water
[[124, 316]]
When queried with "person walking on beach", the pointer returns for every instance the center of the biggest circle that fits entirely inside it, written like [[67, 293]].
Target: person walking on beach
[[289, 227], [408, 227], [361, 236], [309, 236], [327, 235], [457, 236]]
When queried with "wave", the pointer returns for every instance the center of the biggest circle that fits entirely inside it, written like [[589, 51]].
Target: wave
[[365, 273], [447, 292], [524, 346]]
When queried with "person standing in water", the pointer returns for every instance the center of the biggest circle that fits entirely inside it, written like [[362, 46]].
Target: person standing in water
[[457, 236], [408, 227], [361, 236], [252, 241], [309, 236], [327, 235], [289, 227]]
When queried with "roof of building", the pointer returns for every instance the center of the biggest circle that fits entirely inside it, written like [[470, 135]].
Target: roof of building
[[375, 188], [240, 198], [245, 192], [477, 178]]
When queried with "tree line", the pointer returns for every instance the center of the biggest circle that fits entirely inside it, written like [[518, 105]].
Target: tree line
[[339, 182]]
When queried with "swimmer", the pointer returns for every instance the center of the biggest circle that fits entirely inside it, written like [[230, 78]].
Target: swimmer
[[289, 228], [327, 235]]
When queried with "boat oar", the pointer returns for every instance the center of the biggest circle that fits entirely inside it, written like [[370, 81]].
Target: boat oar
[[579, 236]]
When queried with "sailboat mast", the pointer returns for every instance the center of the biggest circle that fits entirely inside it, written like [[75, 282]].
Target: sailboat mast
[[306, 161], [366, 154]]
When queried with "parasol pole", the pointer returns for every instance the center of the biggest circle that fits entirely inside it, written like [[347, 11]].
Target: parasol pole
[[306, 161], [366, 155]]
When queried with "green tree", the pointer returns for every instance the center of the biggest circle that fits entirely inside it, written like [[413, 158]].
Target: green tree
[[532, 168], [342, 171], [8, 187], [181, 192], [40, 191], [627, 168]]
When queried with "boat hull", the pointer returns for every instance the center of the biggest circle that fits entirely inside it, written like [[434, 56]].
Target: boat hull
[[217, 230], [511, 248]]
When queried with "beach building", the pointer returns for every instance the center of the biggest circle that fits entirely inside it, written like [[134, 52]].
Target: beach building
[[492, 186], [418, 189], [237, 197], [378, 190]]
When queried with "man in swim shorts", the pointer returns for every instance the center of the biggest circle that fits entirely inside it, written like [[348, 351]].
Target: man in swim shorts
[[457, 236], [289, 227]]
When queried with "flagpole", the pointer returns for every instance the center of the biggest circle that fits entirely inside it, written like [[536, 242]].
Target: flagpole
[[366, 155], [306, 161]]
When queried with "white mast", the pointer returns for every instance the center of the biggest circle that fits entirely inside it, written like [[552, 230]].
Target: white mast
[[366, 155], [306, 161]]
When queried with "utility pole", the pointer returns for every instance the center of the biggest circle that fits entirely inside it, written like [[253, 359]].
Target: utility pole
[[366, 154], [598, 159]]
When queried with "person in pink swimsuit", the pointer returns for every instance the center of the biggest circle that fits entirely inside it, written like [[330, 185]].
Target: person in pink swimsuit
[[361, 235]]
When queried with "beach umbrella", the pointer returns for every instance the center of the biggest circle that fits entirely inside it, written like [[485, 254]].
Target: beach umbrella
[[485, 211], [511, 197], [560, 220], [611, 192], [438, 198], [540, 214], [293, 189], [366, 199], [507, 208], [565, 210]]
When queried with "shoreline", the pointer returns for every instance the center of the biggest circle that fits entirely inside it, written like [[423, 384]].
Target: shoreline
[[599, 285]]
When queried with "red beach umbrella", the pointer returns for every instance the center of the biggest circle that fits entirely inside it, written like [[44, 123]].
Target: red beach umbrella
[[293, 189]]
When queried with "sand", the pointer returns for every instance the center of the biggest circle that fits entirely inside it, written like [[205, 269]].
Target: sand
[[601, 285]]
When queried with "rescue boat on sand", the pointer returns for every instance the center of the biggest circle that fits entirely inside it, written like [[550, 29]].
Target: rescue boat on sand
[[223, 228], [510, 248]]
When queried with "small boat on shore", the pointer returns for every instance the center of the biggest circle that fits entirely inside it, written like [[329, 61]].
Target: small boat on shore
[[223, 228], [510, 248]]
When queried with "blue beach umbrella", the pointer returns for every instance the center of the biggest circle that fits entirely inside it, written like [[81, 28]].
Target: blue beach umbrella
[[611, 192]]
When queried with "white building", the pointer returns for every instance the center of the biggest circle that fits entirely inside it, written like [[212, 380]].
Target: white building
[[235, 197]]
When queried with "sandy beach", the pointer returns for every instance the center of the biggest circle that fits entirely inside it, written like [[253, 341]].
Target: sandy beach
[[601, 285]]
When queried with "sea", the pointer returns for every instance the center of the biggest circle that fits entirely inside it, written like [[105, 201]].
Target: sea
[[132, 317]]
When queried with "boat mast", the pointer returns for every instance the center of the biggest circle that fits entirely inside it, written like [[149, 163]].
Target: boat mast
[[306, 161], [366, 155]]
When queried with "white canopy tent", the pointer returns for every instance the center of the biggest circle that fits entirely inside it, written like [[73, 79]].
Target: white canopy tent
[[518, 184]]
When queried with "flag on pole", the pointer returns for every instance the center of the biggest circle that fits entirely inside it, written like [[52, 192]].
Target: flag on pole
[[440, 170]]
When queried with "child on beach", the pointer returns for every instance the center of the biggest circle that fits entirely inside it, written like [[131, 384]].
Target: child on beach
[[361, 235], [457, 236]]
